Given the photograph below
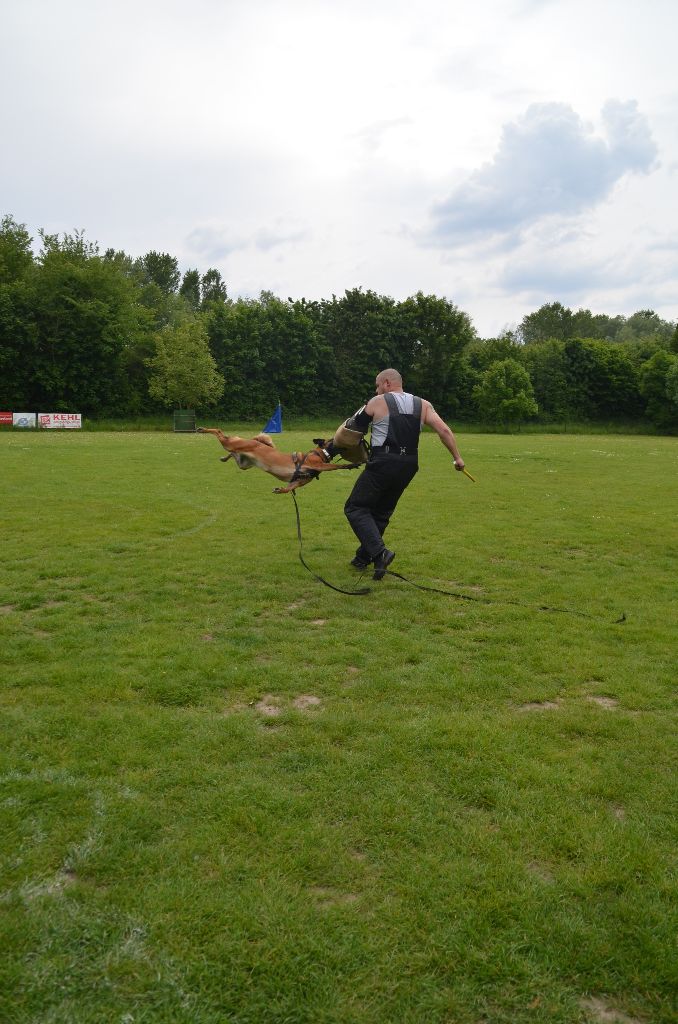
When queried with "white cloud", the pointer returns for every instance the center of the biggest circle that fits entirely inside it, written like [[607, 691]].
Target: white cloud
[[214, 244], [217, 244], [548, 162], [288, 143]]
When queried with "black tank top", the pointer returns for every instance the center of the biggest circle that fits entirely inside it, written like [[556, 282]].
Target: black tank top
[[404, 428]]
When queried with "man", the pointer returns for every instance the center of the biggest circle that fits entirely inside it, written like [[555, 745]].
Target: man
[[397, 419]]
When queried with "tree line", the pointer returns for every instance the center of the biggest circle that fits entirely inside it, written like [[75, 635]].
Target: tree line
[[112, 336]]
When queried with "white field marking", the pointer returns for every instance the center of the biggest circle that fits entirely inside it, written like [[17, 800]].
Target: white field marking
[[133, 944], [42, 775], [78, 854], [154, 542], [210, 521]]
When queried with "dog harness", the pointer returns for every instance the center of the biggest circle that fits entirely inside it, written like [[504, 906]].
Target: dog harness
[[299, 459]]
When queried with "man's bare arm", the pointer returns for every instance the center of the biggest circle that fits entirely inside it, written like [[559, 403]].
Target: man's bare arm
[[433, 420]]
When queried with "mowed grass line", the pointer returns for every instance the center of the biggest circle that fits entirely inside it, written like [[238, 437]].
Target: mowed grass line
[[229, 794]]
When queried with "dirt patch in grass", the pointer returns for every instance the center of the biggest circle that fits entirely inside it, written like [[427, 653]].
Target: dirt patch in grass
[[351, 676], [618, 812], [267, 707], [604, 702], [305, 701], [233, 709], [540, 705], [326, 897], [318, 622], [602, 1013], [6, 609], [207, 638], [541, 871]]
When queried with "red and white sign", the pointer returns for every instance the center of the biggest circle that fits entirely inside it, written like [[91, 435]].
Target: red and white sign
[[5, 419], [62, 420]]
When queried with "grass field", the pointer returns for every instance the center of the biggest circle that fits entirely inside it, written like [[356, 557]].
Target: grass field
[[230, 795]]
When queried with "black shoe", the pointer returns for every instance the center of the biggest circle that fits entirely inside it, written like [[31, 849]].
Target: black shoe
[[359, 563], [381, 563]]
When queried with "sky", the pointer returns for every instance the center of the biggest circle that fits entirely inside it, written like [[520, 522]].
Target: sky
[[500, 153]]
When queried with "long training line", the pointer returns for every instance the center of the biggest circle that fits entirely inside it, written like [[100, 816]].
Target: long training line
[[362, 591], [489, 600], [352, 593]]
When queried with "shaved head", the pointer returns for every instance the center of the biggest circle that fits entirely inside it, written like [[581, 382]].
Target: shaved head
[[392, 376]]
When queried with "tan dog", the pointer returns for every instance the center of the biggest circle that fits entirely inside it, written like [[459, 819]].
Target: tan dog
[[297, 469]]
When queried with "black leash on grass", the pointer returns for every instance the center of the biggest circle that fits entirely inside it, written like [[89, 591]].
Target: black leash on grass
[[435, 590], [487, 600], [352, 593]]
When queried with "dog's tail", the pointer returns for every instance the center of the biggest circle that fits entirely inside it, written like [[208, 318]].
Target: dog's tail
[[265, 439]]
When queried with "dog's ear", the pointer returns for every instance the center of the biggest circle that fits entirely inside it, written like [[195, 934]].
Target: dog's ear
[[320, 442]]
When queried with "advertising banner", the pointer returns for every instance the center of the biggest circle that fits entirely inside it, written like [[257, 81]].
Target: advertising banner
[[5, 419], [60, 420], [23, 419]]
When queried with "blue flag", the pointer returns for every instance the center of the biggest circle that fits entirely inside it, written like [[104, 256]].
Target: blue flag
[[274, 425]]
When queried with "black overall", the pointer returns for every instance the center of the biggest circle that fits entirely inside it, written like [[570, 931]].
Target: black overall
[[390, 469]]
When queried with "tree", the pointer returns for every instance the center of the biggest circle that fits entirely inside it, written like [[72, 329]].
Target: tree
[[646, 324], [292, 364], [552, 320], [183, 371], [358, 331], [480, 354], [431, 334], [161, 269], [658, 383], [586, 324], [601, 379], [16, 256], [156, 276], [545, 363], [212, 287], [190, 289], [505, 393], [234, 332], [64, 328], [672, 387]]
